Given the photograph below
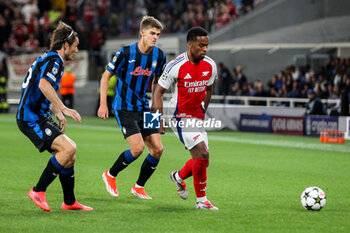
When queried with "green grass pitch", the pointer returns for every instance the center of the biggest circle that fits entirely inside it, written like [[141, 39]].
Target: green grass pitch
[[255, 179]]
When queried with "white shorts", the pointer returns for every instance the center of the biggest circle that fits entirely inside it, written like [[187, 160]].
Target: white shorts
[[190, 136]]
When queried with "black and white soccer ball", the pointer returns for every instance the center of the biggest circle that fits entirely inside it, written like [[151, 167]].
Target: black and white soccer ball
[[313, 198]]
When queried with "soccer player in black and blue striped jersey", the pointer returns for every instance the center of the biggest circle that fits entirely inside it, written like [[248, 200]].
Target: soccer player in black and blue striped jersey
[[34, 118], [135, 66]]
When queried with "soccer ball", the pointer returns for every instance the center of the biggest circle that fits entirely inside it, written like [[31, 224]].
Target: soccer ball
[[313, 198]]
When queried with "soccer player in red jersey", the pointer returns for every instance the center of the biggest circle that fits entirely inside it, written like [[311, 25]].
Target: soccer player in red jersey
[[192, 75]]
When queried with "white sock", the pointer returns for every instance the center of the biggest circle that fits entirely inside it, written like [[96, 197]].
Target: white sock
[[178, 179], [202, 199], [138, 186], [110, 174]]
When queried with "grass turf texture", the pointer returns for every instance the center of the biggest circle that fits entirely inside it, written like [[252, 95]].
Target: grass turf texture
[[255, 179]]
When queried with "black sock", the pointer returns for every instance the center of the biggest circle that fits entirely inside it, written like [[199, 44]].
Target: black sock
[[147, 169], [122, 162], [67, 182], [49, 174]]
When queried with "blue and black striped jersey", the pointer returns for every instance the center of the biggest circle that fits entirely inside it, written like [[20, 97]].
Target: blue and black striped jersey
[[135, 71], [33, 104]]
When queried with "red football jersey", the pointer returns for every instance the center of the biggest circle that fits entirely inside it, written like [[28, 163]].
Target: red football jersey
[[190, 83]]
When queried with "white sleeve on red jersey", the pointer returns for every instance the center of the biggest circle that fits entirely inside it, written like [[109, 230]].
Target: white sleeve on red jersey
[[214, 73], [171, 72]]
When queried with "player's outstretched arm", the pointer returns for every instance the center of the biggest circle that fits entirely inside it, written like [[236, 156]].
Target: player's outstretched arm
[[104, 83], [157, 103]]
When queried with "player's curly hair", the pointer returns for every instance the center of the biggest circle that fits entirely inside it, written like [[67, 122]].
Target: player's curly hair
[[150, 22], [194, 32], [62, 34]]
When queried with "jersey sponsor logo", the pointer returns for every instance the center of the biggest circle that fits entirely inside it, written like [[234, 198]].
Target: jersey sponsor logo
[[139, 71], [132, 61], [196, 83], [205, 73], [188, 76]]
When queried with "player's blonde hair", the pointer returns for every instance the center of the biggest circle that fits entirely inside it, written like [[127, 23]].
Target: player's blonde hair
[[63, 33], [150, 22]]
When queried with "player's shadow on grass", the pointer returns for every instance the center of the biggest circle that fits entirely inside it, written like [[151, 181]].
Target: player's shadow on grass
[[134, 203]]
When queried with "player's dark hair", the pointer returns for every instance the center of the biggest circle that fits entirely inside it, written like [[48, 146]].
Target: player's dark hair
[[150, 22], [62, 34], [194, 32]]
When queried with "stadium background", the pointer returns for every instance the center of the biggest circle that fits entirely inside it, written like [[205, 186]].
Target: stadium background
[[302, 43], [254, 178]]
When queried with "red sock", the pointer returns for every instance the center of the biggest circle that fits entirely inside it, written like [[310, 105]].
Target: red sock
[[200, 176], [186, 171]]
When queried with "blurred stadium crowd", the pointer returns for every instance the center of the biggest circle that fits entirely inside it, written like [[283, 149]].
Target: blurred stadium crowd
[[330, 81], [26, 25]]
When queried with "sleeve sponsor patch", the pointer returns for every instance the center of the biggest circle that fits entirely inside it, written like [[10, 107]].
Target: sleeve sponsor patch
[[51, 76]]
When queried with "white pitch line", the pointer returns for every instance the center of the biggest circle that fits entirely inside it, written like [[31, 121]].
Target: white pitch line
[[290, 144]]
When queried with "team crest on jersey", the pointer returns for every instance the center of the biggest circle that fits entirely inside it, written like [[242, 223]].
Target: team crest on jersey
[[205, 73], [48, 132], [54, 70], [195, 138], [154, 64], [114, 58]]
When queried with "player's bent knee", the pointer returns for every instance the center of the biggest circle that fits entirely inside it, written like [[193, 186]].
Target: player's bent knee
[[70, 163], [70, 150], [204, 154], [137, 151], [157, 152]]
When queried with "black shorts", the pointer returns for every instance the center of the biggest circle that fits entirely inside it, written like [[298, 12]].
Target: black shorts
[[42, 133], [131, 123]]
